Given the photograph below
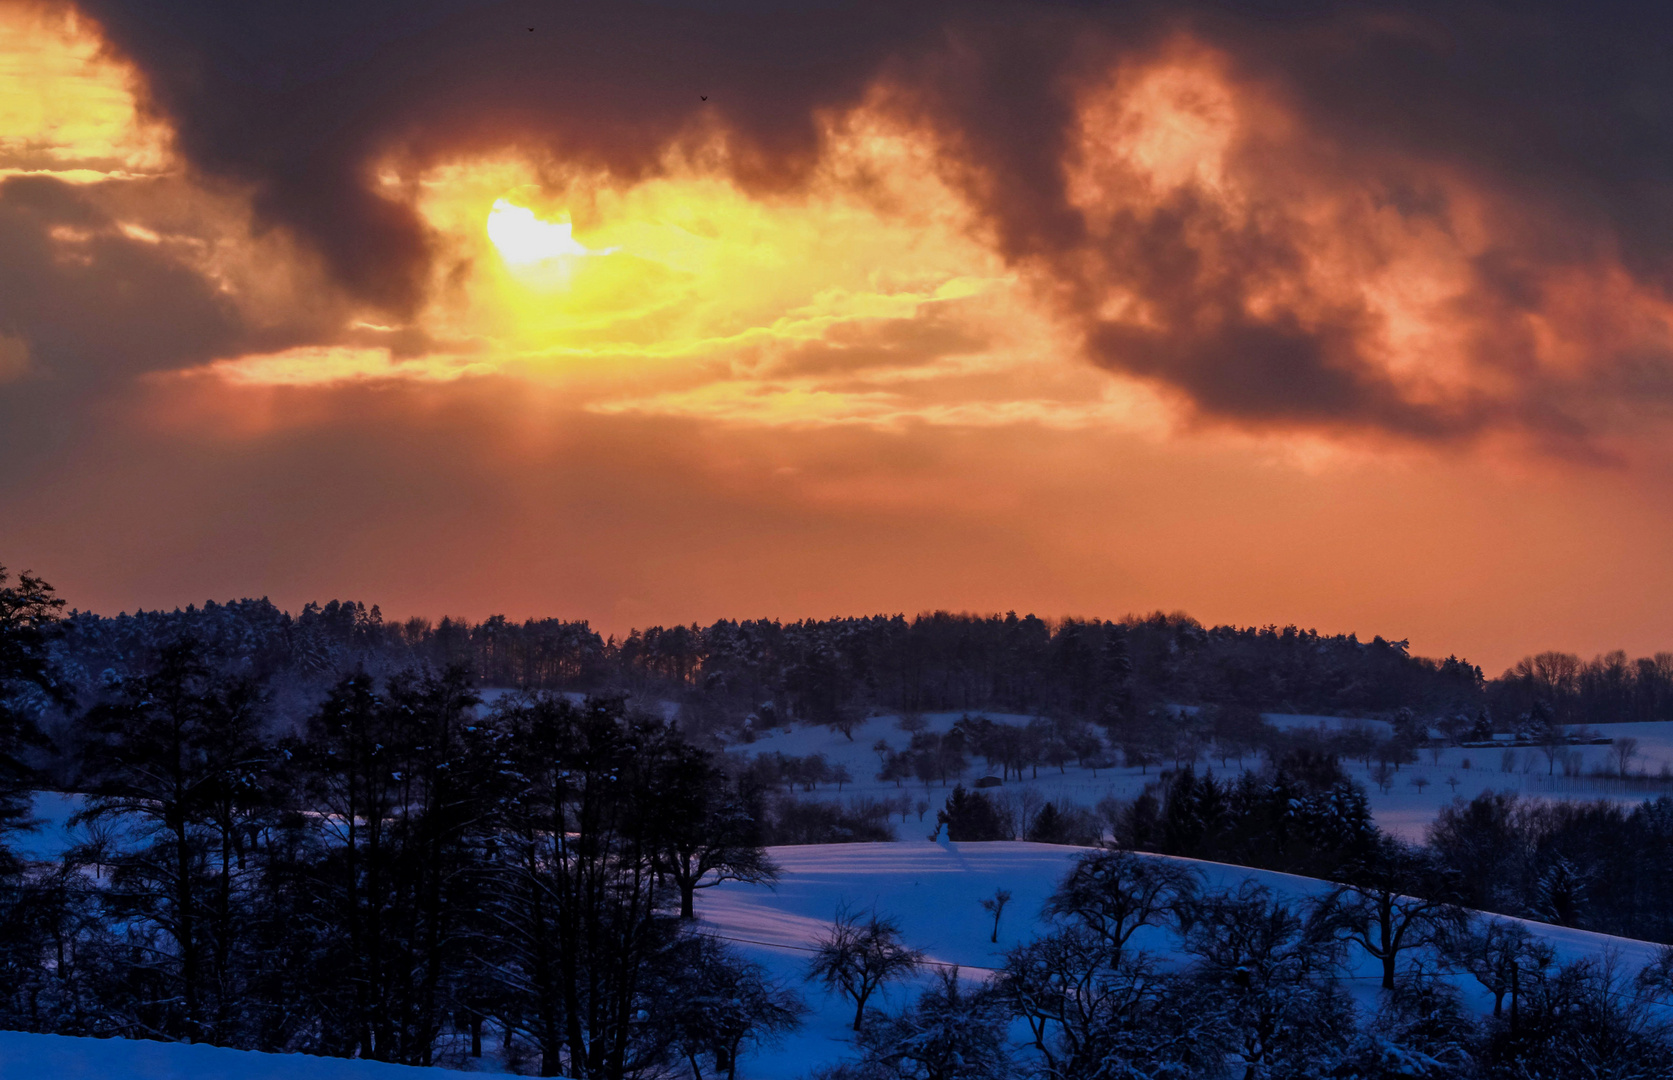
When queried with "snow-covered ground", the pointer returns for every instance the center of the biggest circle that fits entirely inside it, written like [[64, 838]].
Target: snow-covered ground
[[55, 1057], [1417, 792]]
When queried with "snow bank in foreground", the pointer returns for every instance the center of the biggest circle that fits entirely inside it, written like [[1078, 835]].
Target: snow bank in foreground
[[56, 1057]]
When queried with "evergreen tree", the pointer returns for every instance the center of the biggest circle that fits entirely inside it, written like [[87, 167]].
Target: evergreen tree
[[28, 620], [174, 758], [971, 815]]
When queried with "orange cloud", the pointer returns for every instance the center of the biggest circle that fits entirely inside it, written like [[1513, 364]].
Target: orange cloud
[[66, 106]]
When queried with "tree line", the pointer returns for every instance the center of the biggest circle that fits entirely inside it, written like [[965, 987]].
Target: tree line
[[822, 671]]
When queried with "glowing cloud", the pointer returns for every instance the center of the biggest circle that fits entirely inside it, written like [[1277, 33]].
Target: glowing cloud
[[66, 106]]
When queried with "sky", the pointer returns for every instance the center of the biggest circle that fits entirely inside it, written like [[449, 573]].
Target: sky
[[1349, 315]]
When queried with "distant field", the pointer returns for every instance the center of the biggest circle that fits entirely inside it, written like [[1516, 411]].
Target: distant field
[[1405, 809]]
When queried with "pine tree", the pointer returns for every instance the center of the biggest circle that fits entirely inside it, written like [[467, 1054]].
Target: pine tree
[[28, 619]]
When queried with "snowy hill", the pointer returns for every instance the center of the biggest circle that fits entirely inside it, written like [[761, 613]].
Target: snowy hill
[[55, 1057], [935, 889]]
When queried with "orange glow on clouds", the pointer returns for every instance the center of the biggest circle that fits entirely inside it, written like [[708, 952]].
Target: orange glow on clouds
[[1280, 224], [66, 109], [868, 296]]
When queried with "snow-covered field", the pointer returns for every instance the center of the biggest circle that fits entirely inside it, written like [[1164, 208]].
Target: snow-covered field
[[55, 1057], [1413, 798]]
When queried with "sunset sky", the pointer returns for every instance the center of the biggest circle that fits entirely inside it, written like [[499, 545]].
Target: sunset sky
[[1356, 316]]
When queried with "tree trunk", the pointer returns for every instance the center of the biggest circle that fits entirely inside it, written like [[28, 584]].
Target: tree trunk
[[186, 930]]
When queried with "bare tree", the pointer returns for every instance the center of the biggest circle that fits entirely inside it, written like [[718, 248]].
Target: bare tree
[[858, 957], [950, 1034], [1553, 744], [1624, 749], [1115, 892], [1506, 960], [732, 1001], [1279, 964], [708, 833], [1396, 900], [995, 906]]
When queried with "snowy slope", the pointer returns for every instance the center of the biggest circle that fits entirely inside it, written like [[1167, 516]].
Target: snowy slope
[[934, 890], [55, 1057]]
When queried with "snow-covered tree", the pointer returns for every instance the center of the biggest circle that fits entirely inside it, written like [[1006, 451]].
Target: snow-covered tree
[[1394, 901], [1267, 969], [1114, 892], [950, 1033], [720, 1002]]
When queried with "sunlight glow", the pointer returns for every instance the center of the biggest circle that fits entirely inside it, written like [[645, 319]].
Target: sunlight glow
[[523, 239]]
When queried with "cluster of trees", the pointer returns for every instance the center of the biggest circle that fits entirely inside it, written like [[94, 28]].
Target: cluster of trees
[[1252, 984], [1302, 816], [1604, 866], [401, 873], [1610, 688], [836, 671]]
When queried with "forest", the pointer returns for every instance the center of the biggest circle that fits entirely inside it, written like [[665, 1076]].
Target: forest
[[318, 834]]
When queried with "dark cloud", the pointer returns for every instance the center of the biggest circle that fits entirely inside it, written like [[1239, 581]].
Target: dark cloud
[[298, 100], [1562, 114], [93, 303]]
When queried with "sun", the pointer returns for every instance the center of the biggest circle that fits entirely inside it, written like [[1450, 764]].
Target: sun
[[523, 239]]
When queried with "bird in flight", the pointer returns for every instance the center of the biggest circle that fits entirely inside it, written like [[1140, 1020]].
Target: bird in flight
[[705, 97], [531, 29]]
